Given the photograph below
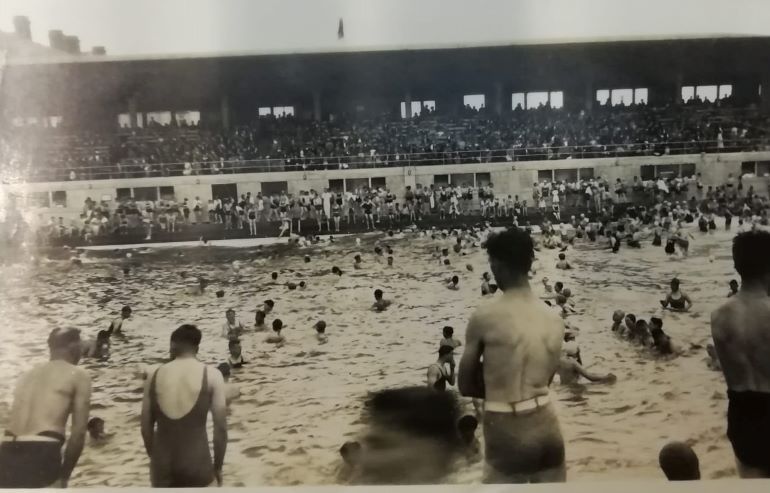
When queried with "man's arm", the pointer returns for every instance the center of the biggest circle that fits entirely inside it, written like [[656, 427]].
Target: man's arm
[[219, 418], [452, 377], [687, 301], [81, 404], [470, 363], [147, 418], [593, 377]]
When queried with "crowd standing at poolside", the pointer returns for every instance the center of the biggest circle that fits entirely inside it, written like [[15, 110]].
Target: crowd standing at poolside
[[515, 344]]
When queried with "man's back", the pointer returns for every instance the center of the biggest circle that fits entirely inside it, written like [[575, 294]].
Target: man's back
[[521, 346], [742, 340]]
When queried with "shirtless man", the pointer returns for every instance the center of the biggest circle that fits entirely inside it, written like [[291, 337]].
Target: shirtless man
[[438, 377], [380, 303], [676, 300], [116, 326], [232, 329], [570, 371], [562, 263], [520, 341], [178, 397], [739, 329], [44, 399]]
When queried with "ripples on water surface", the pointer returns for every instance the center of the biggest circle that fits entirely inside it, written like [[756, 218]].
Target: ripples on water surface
[[302, 401]]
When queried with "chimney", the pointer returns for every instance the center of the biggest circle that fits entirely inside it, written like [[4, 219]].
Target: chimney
[[56, 39], [21, 27], [98, 50], [72, 45]]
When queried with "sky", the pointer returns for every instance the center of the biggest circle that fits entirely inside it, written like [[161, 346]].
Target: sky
[[178, 27]]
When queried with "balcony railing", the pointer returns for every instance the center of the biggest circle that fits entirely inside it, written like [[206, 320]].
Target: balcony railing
[[126, 169]]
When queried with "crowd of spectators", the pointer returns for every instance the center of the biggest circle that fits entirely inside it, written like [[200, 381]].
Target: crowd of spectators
[[289, 143]]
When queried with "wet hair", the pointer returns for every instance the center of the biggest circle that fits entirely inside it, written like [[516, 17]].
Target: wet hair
[[187, 334], [631, 317], [270, 303], [468, 424], [93, 423], [320, 326], [224, 369], [125, 309], [307, 258], [259, 313], [679, 462], [558, 286], [750, 254], [336, 270], [566, 292], [277, 324], [302, 284], [513, 248], [230, 310], [562, 256], [233, 343], [455, 279], [274, 275], [61, 338], [561, 299], [447, 262], [126, 270], [378, 250], [220, 293], [448, 331], [675, 283], [444, 350], [378, 293]]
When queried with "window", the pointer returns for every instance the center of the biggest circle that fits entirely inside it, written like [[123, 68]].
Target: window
[[59, 198], [688, 170], [158, 118], [265, 111], [440, 180], [482, 179], [688, 93], [725, 91], [430, 104], [647, 172], [124, 120], [518, 101], [556, 99], [475, 101], [465, 179], [189, 118], [586, 173], [544, 175], [706, 93], [748, 168], [352, 184], [281, 111], [378, 182], [144, 194], [763, 168], [38, 199], [337, 186], [565, 174], [123, 194], [273, 188], [602, 96], [640, 95], [536, 99], [622, 97], [418, 107], [666, 170], [167, 193]]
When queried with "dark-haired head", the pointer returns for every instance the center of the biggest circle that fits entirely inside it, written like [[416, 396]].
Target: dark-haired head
[[224, 369], [558, 286], [675, 284], [274, 275], [455, 279], [320, 326], [679, 462], [378, 294], [269, 303], [448, 331], [562, 256], [185, 340], [65, 344], [277, 325], [751, 260]]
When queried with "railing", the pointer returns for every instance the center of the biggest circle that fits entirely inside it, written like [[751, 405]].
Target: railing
[[516, 154]]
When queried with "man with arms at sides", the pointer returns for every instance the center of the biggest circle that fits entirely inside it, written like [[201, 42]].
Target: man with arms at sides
[[177, 400], [45, 397], [742, 341], [520, 341]]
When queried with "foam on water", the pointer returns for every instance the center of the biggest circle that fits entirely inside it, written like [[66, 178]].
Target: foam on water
[[302, 401]]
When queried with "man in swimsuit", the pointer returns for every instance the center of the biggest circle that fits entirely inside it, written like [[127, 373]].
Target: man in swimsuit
[[739, 329], [44, 399], [676, 300], [116, 326], [438, 377], [521, 429], [570, 370], [232, 329], [177, 400]]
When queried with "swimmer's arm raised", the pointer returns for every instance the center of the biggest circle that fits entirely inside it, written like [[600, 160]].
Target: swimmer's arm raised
[[470, 363], [81, 405], [147, 418], [219, 419]]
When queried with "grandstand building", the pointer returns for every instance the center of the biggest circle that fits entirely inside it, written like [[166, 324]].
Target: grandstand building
[[109, 128]]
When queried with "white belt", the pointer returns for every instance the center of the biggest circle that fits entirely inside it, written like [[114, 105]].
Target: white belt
[[517, 407], [30, 438]]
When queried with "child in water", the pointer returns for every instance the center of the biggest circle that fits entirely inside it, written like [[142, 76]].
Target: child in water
[[95, 429], [235, 359], [320, 328], [276, 338]]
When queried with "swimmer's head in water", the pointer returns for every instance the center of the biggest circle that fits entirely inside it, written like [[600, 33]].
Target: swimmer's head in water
[[378, 294], [224, 369], [561, 299], [185, 340], [307, 259], [234, 346], [269, 304], [320, 326], [562, 256], [274, 275], [734, 285], [390, 260], [302, 284], [277, 325], [336, 270], [679, 462], [389, 250], [259, 317], [566, 292], [455, 280], [466, 427], [558, 286], [351, 453], [230, 314], [378, 250], [95, 427], [448, 331], [357, 258], [656, 322], [65, 344], [675, 284], [125, 312], [750, 257], [618, 315]]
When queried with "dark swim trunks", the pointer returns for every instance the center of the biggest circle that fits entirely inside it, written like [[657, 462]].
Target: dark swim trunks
[[28, 464], [748, 428], [519, 445]]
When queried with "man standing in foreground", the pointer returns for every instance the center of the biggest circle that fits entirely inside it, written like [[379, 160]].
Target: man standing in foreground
[[45, 397], [520, 342], [177, 400], [742, 341]]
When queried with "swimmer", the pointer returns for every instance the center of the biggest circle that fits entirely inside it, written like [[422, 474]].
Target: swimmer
[[562, 263], [268, 306], [96, 431], [357, 262], [453, 283], [351, 460], [320, 329], [570, 371], [485, 285], [98, 348], [302, 285], [466, 428], [617, 320], [307, 259], [438, 376], [676, 300], [641, 333], [679, 462], [232, 328], [259, 321], [570, 344], [733, 288], [274, 276], [630, 322], [661, 342], [116, 326], [235, 359], [447, 263], [276, 338], [232, 392], [336, 271], [380, 303], [390, 261], [449, 340]]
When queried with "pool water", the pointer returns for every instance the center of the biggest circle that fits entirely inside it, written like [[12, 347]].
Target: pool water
[[300, 402]]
